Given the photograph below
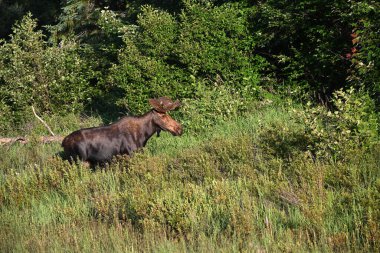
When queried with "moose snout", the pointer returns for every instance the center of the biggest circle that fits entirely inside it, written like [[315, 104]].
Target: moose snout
[[177, 131], [180, 131]]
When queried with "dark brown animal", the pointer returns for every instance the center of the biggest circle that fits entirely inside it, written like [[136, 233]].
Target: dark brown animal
[[99, 144]]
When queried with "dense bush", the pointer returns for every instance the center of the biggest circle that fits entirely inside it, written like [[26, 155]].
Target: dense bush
[[53, 78], [142, 71], [351, 124], [311, 43], [210, 106], [214, 42], [365, 40], [130, 52], [165, 54]]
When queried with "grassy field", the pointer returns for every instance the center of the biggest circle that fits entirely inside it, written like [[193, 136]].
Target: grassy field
[[247, 184]]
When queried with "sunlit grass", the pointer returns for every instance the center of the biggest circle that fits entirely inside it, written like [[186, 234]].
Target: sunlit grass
[[246, 184]]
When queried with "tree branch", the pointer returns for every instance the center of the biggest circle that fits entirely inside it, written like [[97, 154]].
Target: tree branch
[[43, 122], [24, 140]]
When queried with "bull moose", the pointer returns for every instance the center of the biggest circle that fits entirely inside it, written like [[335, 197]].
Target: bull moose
[[99, 144]]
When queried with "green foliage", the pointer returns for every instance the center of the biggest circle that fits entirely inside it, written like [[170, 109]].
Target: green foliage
[[142, 71], [313, 50], [352, 124], [144, 48], [53, 78], [109, 22], [211, 106], [159, 32], [77, 19], [214, 42], [165, 55], [365, 63]]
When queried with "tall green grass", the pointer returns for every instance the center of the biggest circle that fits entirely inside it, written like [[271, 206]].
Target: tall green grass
[[248, 184]]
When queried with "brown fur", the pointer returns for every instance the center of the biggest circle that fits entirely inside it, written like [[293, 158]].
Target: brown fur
[[100, 144]]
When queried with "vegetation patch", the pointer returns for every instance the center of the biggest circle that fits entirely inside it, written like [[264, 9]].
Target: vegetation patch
[[252, 188], [280, 115]]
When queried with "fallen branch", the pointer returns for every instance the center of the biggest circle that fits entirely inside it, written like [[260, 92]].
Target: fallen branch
[[24, 140], [48, 139], [12, 140], [42, 139]]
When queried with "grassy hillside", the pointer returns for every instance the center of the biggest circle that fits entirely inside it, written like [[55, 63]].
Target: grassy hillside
[[247, 184]]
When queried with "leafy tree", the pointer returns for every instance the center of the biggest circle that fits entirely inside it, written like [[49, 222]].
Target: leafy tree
[[54, 78], [166, 54], [144, 69], [306, 40], [125, 52]]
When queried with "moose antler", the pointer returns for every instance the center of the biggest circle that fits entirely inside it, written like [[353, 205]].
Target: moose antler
[[164, 104]]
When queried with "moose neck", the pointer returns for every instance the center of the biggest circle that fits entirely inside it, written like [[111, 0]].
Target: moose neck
[[149, 128], [140, 129]]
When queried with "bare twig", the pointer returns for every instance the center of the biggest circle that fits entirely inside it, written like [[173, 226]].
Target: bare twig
[[43, 122]]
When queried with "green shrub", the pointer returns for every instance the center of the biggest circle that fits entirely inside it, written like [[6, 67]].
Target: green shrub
[[53, 78], [308, 50], [143, 70], [211, 106], [166, 54], [352, 124], [214, 43]]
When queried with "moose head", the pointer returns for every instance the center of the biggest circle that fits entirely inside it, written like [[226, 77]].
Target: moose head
[[160, 108]]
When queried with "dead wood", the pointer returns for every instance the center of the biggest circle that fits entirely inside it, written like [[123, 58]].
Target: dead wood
[[42, 121], [41, 139], [24, 140]]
